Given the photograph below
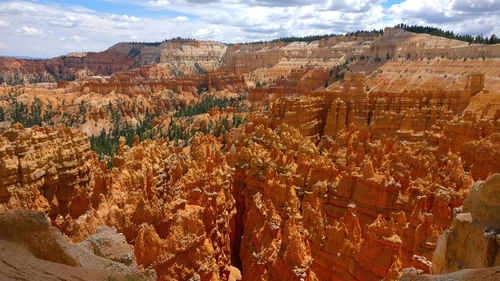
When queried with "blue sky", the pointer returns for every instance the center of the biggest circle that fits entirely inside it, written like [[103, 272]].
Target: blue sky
[[48, 28], [389, 3], [130, 8]]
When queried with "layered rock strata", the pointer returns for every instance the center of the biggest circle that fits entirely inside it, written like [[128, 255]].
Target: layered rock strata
[[385, 112], [400, 43], [486, 274], [47, 169], [439, 114], [176, 56], [133, 84], [379, 161]]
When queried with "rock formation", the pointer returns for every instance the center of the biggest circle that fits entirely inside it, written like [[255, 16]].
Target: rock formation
[[468, 250], [46, 169], [33, 249], [487, 274], [175, 207], [177, 56], [472, 239], [347, 213], [132, 83], [400, 43]]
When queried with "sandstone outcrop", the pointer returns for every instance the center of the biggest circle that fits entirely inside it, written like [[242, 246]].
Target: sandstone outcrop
[[396, 93], [297, 82], [388, 107], [133, 84], [400, 43], [65, 67], [472, 241], [33, 249], [46, 169], [469, 249], [405, 111], [486, 274], [305, 114], [180, 57], [354, 213]]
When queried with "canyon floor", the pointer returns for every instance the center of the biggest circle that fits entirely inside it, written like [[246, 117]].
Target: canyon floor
[[368, 156]]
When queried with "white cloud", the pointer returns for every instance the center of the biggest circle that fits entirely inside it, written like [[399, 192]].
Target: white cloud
[[4, 23], [29, 31], [158, 3], [460, 16], [75, 39], [180, 18], [211, 31], [122, 25], [18, 7], [66, 20], [124, 18], [352, 5], [476, 5], [279, 3]]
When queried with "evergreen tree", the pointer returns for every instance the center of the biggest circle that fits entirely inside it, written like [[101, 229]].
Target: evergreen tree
[[449, 34]]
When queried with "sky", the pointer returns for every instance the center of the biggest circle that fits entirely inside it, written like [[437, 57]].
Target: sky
[[52, 28]]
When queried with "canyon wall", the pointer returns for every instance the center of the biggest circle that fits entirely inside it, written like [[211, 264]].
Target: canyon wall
[[132, 84], [65, 67], [357, 207], [178, 57], [362, 209], [174, 206], [378, 141], [182, 57], [398, 43], [323, 54]]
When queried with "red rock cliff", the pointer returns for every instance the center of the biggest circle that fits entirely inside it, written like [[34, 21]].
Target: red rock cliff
[[174, 206], [361, 210]]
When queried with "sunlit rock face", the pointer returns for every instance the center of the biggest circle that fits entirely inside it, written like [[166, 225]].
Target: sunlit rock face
[[47, 169], [32, 248], [177, 56], [468, 249], [175, 207], [363, 208], [472, 239]]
